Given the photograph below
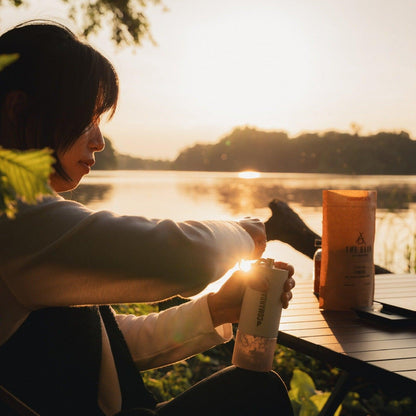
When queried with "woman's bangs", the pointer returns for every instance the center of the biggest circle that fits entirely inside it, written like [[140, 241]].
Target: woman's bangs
[[107, 94]]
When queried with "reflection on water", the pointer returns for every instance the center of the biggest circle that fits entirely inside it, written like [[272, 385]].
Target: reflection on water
[[249, 174], [243, 195], [219, 195], [89, 193]]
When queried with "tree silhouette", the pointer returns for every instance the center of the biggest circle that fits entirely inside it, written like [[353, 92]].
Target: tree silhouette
[[383, 153]]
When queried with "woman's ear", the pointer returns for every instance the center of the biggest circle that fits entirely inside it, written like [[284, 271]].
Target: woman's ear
[[15, 106]]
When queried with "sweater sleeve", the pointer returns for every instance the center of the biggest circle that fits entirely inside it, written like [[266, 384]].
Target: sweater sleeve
[[60, 253], [177, 333]]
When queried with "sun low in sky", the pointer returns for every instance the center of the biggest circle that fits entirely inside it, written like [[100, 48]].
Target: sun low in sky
[[292, 65]]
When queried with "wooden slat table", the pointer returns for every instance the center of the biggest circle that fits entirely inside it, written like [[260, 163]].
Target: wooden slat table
[[384, 354]]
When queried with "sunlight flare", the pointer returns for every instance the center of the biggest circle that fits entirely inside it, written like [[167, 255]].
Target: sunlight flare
[[245, 265], [249, 174]]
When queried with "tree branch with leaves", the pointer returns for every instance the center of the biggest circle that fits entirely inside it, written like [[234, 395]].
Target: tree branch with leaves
[[127, 18]]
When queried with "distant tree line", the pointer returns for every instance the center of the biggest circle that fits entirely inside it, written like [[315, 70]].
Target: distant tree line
[[383, 153], [110, 159], [329, 152]]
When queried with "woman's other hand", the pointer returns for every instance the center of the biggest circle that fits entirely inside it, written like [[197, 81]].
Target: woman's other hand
[[225, 305]]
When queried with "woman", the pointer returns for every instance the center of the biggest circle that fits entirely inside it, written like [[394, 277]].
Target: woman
[[62, 351]]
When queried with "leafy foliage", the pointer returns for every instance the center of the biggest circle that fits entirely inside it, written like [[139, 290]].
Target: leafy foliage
[[14, 2], [166, 384], [126, 18], [24, 175], [306, 401], [135, 308]]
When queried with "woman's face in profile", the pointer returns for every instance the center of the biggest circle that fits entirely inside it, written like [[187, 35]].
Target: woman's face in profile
[[78, 160]]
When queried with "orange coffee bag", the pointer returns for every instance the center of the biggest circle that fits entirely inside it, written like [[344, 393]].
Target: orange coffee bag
[[347, 273]]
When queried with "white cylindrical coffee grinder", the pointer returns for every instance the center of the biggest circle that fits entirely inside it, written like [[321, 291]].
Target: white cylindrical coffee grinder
[[260, 314]]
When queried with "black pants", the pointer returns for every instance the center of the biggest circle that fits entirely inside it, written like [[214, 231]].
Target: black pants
[[232, 391], [229, 392]]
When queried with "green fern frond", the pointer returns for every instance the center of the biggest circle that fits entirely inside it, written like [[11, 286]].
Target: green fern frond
[[24, 175]]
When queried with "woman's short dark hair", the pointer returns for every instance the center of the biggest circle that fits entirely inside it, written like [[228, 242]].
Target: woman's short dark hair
[[68, 85]]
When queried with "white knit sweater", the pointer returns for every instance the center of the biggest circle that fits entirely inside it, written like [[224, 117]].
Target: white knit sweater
[[59, 253]]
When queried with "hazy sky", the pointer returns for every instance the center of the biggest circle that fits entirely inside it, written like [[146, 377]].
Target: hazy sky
[[292, 65]]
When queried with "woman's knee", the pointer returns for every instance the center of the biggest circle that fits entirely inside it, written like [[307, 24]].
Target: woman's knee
[[234, 390], [261, 379], [266, 386], [265, 392]]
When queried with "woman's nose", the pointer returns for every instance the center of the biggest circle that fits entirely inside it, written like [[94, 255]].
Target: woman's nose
[[96, 141]]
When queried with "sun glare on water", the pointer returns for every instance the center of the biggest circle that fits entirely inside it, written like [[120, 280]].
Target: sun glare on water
[[249, 174]]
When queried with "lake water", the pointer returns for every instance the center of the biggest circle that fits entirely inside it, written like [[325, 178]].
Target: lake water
[[230, 195]]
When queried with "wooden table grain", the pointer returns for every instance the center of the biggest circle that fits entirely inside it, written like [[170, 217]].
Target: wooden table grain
[[384, 354]]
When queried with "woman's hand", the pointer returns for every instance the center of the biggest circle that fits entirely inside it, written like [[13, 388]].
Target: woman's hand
[[225, 305]]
